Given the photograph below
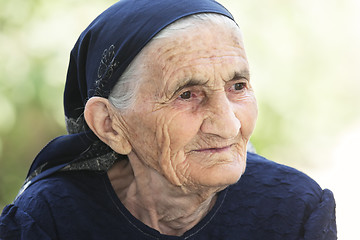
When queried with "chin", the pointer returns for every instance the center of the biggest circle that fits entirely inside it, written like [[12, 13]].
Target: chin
[[221, 175]]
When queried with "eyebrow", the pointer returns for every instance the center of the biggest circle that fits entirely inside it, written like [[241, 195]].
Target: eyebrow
[[243, 74], [188, 83]]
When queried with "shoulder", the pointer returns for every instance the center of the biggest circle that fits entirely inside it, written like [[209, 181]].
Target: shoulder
[[30, 214], [271, 175], [282, 202], [271, 181], [64, 186], [268, 181], [18, 224], [45, 204], [61, 193]]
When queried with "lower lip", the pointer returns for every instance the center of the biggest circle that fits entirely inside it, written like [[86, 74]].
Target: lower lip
[[213, 150]]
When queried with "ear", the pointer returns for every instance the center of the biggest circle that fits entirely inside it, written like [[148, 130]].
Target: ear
[[102, 119]]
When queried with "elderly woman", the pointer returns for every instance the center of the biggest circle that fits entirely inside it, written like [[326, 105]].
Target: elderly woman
[[159, 108]]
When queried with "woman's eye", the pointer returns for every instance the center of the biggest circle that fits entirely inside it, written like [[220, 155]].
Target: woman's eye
[[185, 95], [239, 86]]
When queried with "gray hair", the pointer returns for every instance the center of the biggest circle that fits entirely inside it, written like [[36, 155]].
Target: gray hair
[[123, 95]]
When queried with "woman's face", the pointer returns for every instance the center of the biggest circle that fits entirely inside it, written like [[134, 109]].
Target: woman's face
[[195, 109]]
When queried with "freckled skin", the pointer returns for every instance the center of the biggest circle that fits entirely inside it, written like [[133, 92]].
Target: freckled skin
[[198, 142]]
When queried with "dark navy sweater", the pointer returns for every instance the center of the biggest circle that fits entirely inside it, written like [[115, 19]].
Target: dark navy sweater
[[270, 201]]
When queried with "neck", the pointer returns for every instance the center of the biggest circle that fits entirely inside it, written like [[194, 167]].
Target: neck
[[170, 209]]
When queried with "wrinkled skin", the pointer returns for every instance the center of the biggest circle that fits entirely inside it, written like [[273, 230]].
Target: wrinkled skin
[[195, 109]]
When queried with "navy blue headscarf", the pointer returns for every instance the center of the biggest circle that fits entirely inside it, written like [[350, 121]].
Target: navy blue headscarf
[[98, 59]]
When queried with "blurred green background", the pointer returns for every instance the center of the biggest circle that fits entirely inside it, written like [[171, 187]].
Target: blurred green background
[[304, 57]]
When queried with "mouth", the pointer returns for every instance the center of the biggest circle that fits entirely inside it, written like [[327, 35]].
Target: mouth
[[213, 150]]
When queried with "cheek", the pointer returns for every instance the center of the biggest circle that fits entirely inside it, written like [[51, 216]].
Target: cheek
[[141, 134], [177, 129], [174, 132]]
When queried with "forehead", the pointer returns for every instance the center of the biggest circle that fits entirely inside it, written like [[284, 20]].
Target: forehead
[[198, 52], [200, 40]]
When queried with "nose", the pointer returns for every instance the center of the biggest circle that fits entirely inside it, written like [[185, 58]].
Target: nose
[[220, 118]]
